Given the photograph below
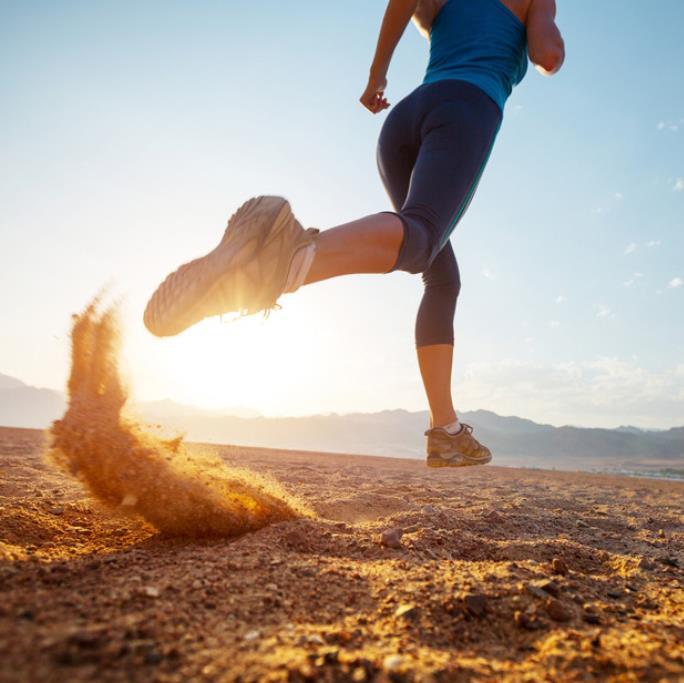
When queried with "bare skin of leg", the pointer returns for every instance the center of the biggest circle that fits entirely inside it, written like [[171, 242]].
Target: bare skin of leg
[[435, 363], [371, 245], [368, 245]]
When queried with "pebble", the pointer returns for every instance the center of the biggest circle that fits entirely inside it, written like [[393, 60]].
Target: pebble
[[406, 611], [252, 635], [151, 591], [391, 538], [591, 618], [559, 566], [551, 587], [536, 591], [57, 511], [494, 517], [557, 610], [475, 604], [646, 564], [581, 524], [392, 662], [524, 621]]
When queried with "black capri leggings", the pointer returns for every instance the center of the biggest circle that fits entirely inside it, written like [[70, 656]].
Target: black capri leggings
[[432, 150]]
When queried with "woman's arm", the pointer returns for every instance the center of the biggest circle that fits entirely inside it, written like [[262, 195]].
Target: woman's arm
[[544, 42], [397, 16]]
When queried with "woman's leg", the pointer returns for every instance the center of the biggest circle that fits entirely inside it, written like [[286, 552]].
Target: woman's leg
[[430, 164], [367, 245]]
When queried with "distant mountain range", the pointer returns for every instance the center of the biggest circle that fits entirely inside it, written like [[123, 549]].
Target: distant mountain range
[[514, 441]]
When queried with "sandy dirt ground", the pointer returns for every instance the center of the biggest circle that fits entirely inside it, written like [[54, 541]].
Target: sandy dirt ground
[[406, 574]]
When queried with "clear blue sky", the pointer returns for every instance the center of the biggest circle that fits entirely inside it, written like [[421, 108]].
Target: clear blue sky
[[129, 131]]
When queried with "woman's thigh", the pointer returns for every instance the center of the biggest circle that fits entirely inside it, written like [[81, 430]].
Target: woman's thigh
[[457, 137], [397, 150]]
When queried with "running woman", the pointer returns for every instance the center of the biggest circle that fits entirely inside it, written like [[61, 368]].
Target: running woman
[[432, 150]]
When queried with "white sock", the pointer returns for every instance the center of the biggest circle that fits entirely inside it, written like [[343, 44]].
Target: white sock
[[300, 267], [453, 427]]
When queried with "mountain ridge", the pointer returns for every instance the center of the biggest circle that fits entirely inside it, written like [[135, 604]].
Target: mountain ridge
[[395, 432]]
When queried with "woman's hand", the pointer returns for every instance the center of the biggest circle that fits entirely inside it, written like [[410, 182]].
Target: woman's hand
[[373, 97]]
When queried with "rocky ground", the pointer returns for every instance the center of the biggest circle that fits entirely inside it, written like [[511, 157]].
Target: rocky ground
[[406, 574]]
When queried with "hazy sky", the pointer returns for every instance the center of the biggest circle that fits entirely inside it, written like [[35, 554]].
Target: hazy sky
[[130, 131]]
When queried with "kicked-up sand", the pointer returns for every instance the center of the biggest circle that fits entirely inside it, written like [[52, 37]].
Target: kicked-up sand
[[133, 472], [403, 574]]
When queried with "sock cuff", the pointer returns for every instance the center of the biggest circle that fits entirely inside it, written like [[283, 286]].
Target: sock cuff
[[300, 267]]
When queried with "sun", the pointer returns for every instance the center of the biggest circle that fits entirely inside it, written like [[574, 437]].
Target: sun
[[264, 364]]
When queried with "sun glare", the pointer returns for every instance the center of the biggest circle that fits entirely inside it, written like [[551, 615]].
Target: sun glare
[[250, 362]]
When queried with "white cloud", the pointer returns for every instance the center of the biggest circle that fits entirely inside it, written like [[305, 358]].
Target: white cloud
[[679, 185], [489, 274], [560, 299], [554, 323], [604, 391], [602, 311], [631, 248], [675, 282], [653, 243], [619, 196], [672, 126], [632, 280]]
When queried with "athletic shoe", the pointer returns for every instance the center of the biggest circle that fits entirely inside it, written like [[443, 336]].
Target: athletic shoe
[[455, 450], [245, 273]]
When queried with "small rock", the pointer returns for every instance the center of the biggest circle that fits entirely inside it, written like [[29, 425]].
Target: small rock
[[251, 636], [57, 511], [581, 524], [669, 561], [646, 564], [661, 533], [151, 591], [591, 618], [494, 517], [559, 566], [392, 662], [406, 612], [271, 586], [391, 538], [535, 590], [359, 674], [315, 639], [196, 584], [153, 657], [525, 621], [428, 510], [615, 594], [475, 604], [551, 587], [557, 610]]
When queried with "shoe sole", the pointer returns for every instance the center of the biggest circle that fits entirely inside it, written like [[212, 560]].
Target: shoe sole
[[438, 461], [179, 301]]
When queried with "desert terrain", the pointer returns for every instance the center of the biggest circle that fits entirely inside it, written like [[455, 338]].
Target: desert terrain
[[402, 574]]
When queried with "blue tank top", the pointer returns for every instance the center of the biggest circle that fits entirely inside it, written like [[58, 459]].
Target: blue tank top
[[479, 41]]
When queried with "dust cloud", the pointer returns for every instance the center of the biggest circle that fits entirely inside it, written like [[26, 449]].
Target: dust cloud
[[133, 471]]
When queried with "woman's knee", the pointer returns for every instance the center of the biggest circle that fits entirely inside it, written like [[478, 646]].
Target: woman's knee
[[421, 244]]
